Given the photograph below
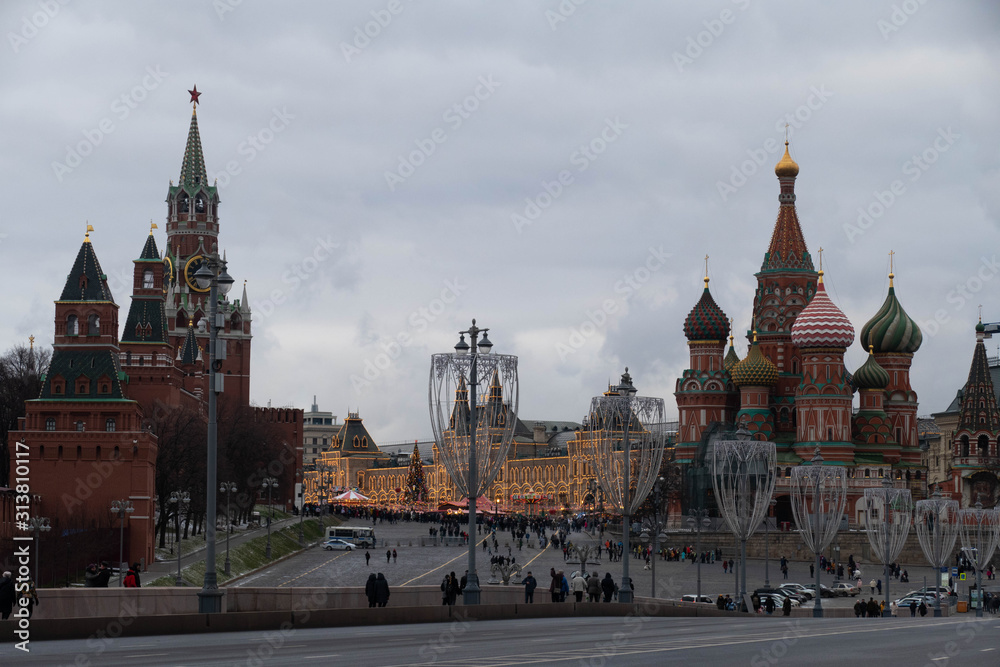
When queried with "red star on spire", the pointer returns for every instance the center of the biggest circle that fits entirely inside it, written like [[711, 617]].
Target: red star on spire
[[194, 95]]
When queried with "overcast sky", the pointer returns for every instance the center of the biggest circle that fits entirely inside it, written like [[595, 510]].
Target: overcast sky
[[379, 190]]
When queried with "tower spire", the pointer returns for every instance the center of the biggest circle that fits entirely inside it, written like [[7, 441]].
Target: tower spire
[[193, 171]]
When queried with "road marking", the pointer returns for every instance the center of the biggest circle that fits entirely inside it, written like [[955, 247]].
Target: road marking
[[314, 569], [986, 649], [147, 655], [320, 657], [461, 555]]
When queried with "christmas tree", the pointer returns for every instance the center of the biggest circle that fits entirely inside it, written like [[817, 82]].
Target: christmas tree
[[416, 485]]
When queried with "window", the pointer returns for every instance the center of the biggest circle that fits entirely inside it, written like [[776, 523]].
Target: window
[[80, 426], [93, 325], [72, 326], [147, 279], [50, 424], [109, 424]]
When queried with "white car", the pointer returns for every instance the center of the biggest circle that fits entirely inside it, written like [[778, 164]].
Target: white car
[[338, 545], [798, 589], [694, 598], [845, 589]]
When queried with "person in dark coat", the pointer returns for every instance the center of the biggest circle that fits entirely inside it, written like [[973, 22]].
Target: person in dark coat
[[136, 569], [131, 579], [555, 586], [381, 590], [103, 575], [90, 576], [370, 589], [769, 605], [922, 608], [529, 588], [594, 588], [786, 607], [6, 595], [608, 586]]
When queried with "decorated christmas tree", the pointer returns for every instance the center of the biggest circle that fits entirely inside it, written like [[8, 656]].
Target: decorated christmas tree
[[416, 485]]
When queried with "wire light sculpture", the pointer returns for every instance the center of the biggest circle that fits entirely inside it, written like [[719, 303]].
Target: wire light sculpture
[[473, 402], [980, 530], [743, 476], [889, 512], [819, 495], [936, 521], [625, 446]]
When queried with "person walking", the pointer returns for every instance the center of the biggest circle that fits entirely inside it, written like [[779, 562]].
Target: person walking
[[555, 585], [923, 608], [786, 607], [136, 569], [381, 590], [453, 589], [579, 587], [529, 588], [769, 605], [368, 558], [594, 588], [388, 555], [370, 589], [812, 571], [29, 597], [913, 608], [871, 585], [131, 579], [607, 586], [878, 586], [445, 585], [393, 555], [6, 595]]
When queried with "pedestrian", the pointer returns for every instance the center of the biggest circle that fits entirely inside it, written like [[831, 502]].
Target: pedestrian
[[812, 571], [893, 608], [136, 569], [878, 586], [453, 588], [463, 582], [863, 608], [388, 555], [554, 585], [731, 563], [923, 608], [29, 597], [104, 574], [370, 589], [529, 588], [786, 607], [871, 585], [769, 605], [6, 595], [725, 567], [563, 587], [368, 558], [90, 576], [594, 588], [445, 585], [381, 590], [131, 579], [607, 586], [393, 555], [579, 586], [913, 608], [857, 609]]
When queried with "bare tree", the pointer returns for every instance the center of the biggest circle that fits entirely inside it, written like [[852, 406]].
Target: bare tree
[[21, 372]]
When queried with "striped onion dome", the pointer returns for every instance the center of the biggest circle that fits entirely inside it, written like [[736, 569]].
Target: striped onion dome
[[870, 375], [822, 324], [731, 357], [892, 330], [706, 321], [756, 370]]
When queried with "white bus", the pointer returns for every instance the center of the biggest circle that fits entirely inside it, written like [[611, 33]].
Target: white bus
[[362, 536]]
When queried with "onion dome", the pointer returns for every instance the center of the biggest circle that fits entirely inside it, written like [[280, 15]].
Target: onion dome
[[891, 329], [822, 324], [706, 321], [756, 370], [731, 357], [980, 328], [786, 167], [870, 375]]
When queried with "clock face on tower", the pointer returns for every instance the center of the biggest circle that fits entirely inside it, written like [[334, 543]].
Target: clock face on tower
[[190, 269], [168, 273]]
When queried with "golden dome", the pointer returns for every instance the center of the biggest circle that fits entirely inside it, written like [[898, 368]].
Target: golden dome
[[787, 166]]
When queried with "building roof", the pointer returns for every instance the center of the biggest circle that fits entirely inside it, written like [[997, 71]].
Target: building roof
[[354, 439], [787, 250], [86, 281], [871, 375], [190, 352], [891, 329], [979, 401], [731, 357], [100, 367], [193, 175], [146, 322], [754, 371], [149, 251]]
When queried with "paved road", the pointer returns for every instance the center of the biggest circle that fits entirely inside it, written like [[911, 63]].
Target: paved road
[[560, 641], [417, 565]]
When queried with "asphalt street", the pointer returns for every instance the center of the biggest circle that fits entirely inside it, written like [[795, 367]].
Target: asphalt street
[[638, 640]]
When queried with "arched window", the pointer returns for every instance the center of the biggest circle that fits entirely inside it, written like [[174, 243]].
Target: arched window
[[984, 445], [964, 446], [50, 424], [72, 326], [109, 424], [868, 473], [147, 279], [93, 325]]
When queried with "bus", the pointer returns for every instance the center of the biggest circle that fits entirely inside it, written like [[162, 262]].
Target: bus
[[362, 536]]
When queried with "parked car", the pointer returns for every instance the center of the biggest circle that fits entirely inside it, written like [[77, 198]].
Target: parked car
[[797, 588], [825, 591], [695, 598], [779, 599], [338, 545], [845, 589], [782, 593]]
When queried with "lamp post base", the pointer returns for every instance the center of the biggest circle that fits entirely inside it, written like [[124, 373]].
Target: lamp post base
[[209, 601], [625, 591], [227, 567], [472, 593]]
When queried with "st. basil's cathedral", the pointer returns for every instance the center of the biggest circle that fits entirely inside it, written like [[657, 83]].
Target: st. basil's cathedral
[[792, 387]]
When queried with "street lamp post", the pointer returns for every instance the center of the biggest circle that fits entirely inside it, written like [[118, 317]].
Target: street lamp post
[[888, 536], [936, 521], [302, 503], [657, 488], [698, 518], [228, 488], [268, 483], [767, 543], [122, 508], [212, 276], [181, 499], [623, 423], [980, 530], [473, 433], [40, 524]]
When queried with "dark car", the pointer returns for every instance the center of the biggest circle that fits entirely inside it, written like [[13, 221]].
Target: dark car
[[824, 590]]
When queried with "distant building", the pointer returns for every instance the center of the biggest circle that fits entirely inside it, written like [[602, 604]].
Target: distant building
[[318, 431]]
